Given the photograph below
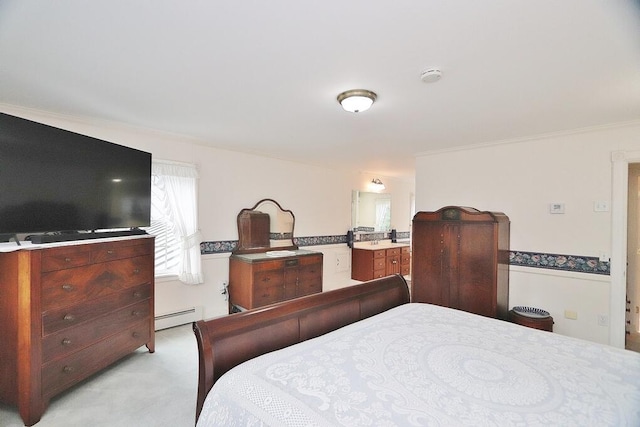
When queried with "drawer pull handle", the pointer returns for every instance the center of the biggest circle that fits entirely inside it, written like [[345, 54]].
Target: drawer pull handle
[[136, 313], [67, 259], [135, 335], [67, 287], [66, 341], [137, 294], [69, 317], [67, 369], [136, 271], [110, 252]]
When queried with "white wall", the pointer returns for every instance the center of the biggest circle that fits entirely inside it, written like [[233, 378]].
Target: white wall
[[230, 181], [521, 179]]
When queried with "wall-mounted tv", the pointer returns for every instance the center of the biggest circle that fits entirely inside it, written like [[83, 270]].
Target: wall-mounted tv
[[56, 181]]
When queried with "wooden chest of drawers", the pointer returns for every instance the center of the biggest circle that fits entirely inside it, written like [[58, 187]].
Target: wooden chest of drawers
[[67, 312], [373, 263], [256, 280]]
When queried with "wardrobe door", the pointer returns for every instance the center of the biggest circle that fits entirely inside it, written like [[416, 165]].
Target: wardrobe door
[[427, 263], [474, 288]]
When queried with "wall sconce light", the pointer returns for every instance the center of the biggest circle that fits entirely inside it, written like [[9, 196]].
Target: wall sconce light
[[357, 100], [377, 185]]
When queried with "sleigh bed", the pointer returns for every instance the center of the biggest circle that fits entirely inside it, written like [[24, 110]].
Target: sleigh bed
[[365, 355]]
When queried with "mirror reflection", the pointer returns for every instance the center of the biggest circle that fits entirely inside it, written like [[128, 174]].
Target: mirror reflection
[[280, 224], [370, 211], [264, 227]]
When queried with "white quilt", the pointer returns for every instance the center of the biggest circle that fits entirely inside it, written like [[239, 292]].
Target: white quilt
[[424, 365]]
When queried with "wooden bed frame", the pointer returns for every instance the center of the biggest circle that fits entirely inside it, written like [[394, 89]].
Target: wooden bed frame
[[228, 341]]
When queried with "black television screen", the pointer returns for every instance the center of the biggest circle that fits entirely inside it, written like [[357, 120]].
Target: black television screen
[[53, 180]]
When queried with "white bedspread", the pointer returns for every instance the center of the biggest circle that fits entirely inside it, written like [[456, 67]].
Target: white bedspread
[[420, 364]]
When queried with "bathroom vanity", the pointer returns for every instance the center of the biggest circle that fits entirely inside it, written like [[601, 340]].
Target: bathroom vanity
[[372, 261]]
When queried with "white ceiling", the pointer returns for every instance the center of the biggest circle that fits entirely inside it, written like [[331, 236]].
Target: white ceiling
[[262, 76]]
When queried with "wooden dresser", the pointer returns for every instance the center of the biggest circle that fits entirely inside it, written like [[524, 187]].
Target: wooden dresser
[[461, 260], [258, 279], [66, 312], [372, 262]]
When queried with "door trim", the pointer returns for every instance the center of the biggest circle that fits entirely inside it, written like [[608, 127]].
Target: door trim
[[619, 200]]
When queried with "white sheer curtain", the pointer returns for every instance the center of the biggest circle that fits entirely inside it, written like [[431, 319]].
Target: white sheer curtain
[[181, 185]]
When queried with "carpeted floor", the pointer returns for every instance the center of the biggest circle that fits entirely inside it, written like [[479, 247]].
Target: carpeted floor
[[143, 389]]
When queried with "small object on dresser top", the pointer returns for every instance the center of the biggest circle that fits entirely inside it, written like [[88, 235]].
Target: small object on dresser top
[[280, 253]]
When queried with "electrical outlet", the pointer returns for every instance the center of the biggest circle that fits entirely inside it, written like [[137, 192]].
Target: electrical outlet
[[570, 314], [603, 320], [343, 261]]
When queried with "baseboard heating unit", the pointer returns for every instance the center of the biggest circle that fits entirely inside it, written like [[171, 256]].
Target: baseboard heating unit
[[177, 318]]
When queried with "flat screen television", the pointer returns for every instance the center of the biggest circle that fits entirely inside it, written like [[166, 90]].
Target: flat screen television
[[54, 181]]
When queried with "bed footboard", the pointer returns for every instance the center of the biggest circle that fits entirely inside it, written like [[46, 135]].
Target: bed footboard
[[230, 340]]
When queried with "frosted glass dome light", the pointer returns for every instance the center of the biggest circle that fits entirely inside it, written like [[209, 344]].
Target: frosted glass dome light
[[357, 100]]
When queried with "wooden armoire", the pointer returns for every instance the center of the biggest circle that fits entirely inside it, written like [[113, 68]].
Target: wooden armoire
[[461, 260]]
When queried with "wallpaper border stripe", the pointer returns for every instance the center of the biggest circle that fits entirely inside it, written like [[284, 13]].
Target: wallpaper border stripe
[[561, 262]]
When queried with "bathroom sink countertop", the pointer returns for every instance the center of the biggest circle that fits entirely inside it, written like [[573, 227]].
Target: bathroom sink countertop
[[384, 244]]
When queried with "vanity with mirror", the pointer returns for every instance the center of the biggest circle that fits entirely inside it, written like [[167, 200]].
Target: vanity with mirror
[[266, 265], [372, 255]]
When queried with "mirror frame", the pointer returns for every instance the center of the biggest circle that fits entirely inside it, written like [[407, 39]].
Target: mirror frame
[[245, 247]]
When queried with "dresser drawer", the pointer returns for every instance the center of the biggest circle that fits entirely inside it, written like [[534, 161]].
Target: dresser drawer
[[380, 253], [268, 293], [268, 279], [60, 374], [379, 264], [310, 260], [379, 273], [309, 287], [393, 252], [73, 339], [66, 317], [111, 251], [63, 288], [308, 270], [65, 257]]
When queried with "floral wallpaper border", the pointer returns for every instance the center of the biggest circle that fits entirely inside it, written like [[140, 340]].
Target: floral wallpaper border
[[572, 263], [223, 246]]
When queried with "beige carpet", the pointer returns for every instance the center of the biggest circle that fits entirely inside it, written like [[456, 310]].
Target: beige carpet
[[143, 389]]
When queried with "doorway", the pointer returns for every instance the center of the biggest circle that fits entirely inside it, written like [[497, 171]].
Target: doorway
[[632, 311]]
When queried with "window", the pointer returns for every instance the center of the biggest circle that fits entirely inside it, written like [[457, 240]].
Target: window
[[174, 221], [383, 214], [168, 250]]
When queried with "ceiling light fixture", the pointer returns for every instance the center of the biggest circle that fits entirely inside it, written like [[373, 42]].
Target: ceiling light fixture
[[377, 185], [357, 100]]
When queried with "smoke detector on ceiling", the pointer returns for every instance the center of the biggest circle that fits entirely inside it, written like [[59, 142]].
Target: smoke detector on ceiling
[[431, 75]]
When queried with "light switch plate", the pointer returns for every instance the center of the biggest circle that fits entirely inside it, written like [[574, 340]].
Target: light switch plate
[[601, 206]]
